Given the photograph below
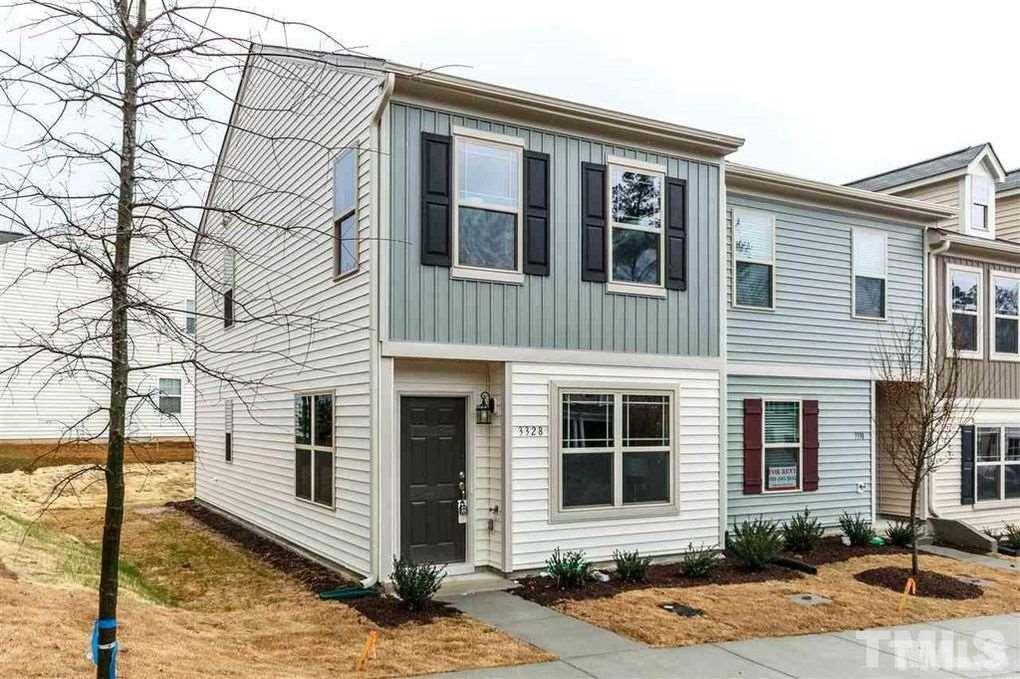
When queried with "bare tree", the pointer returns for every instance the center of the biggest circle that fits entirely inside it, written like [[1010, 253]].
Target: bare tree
[[120, 107], [921, 407]]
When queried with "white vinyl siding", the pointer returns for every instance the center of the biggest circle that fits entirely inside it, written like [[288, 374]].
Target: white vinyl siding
[[291, 271], [696, 478]]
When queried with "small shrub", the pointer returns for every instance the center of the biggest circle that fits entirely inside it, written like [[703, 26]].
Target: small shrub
[[756, 543], [416, 584], [697, 563], [857, 528], [571, 569], [900, 534], [1011, 535], [801, 533], [631, 566]]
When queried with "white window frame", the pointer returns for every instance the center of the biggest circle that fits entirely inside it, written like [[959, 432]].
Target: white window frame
[[800, 446], [628, 287], [228, 430], [495, 140], [853, 275], [950, 340], [340, 218], [994, 315], [229, 285], [314, 449], [989, 227], [619, 510], [190, 317], [162, 393], [1001, 464], [737, 211]]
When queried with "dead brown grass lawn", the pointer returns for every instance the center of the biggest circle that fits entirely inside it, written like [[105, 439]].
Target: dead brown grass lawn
[[27, 456], [230, 615], [734, 612]]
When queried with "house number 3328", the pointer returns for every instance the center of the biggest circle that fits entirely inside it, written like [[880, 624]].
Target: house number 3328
[[529, 431]]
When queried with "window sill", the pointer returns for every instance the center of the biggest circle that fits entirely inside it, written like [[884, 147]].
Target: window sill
[[790, 491], [870, 319], [650, 511], [636, 289], [744, 307], [996, 504], [971, 356], [487, 275], [337, 277], [309, 503], [1005, 358]]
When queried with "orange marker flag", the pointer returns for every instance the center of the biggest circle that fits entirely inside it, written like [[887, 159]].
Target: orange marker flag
[[911, 588]]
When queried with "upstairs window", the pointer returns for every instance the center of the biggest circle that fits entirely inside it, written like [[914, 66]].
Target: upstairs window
[[345, 213], [1006, 316], [870, 265], [782, 450], [190, 318], [229, 274], [487, 222], [754, 259], [313, 448], [170, 396], [965, 306], [636, 207], [228, 431], [981, 201]]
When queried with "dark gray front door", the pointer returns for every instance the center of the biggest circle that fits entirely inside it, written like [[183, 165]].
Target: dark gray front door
[[432, 457]]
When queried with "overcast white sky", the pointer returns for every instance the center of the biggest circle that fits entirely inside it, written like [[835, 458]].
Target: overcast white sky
[[818, 89]]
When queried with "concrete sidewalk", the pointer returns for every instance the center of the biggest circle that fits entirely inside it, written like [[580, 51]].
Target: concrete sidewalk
[[971, 647]]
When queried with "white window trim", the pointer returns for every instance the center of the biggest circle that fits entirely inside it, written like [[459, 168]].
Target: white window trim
[[557, 514], [853, 275], [228, 428], [229, 264], [1001, 500], [968, 202], [338, 219], [950, 268], [628, 287], [993, 316], [190, 314], [179, 395], [737, 211], [314, 448], [458, 270], [800, 447]]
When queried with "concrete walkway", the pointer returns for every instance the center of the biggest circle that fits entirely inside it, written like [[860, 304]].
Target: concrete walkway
[[1003, 563], [944, 649]]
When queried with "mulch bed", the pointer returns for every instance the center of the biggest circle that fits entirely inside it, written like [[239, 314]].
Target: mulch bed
[[832, 550], [545, 592], [383, 611], [929, 583]]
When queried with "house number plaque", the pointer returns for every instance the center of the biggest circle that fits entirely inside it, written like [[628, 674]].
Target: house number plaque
[[529, 431]]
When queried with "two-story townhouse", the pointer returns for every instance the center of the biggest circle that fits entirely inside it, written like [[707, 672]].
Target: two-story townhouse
[[1007, 200], [521, 304], [819, 275], [974, 291]]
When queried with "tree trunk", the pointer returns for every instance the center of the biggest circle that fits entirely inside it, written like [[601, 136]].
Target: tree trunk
[[914, 487], [119, 298]]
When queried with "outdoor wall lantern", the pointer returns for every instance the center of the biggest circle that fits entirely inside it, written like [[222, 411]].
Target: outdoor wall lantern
[[483, 413]]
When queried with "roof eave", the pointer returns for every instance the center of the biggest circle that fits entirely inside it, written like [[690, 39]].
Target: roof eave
[[489, 98], [975, 247], [757, 180]]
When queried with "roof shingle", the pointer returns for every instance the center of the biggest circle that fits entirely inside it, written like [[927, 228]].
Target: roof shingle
[[918, 171]]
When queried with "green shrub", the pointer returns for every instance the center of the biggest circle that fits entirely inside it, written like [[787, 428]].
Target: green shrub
[[697, 563], [756, 543], [631, 566], [857, 528], [900, 534], [1011, 535], [416, 584], [801, 533], [571, 569]]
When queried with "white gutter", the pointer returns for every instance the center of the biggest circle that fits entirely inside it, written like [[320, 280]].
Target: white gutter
[[384, 98]]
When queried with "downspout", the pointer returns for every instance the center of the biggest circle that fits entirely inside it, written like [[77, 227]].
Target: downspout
[[935, 252], [376, 542]]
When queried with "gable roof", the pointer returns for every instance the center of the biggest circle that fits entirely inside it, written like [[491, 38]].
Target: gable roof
[[933, 167], [1012, 182]]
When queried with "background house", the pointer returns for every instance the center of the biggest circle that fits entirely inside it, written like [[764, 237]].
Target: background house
[[47, 401], [974, 292], [1007, 196]]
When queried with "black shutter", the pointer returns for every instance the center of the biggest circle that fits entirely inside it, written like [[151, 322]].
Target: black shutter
[[536, 213], [676, 234], [228, 308], [593, 222], [436, 191], [967, 445]]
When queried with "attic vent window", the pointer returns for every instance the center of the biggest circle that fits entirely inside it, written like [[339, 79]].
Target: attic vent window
[[981, 192]]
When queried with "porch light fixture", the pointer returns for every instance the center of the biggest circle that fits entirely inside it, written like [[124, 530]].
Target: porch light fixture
[[483, 413]]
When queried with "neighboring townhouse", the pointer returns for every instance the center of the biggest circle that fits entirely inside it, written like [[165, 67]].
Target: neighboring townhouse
[[39, 402], [522, 322], [1007, 199], [974, 297], [819, 275]]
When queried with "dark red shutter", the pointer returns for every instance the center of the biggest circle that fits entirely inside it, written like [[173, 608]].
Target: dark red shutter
[[810, 443], [593, 222], [536, 213], [436, 193], [676, 234], [752, 446]]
